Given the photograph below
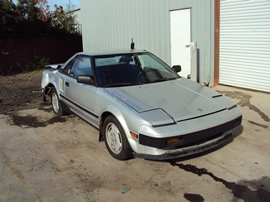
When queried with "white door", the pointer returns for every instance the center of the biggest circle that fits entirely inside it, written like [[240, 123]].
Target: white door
[[180, 40]]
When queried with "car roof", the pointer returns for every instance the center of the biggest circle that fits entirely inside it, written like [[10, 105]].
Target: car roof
[[112, 52]]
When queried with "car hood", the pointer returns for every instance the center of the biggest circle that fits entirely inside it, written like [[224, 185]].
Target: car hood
[[171, 101]]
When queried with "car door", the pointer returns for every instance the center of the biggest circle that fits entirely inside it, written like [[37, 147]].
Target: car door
[[81, 98]]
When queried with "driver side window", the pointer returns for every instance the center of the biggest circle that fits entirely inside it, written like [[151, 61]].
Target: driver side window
[[81, 65], [68, 67]]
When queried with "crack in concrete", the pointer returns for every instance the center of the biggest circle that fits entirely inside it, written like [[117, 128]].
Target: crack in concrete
[[258, 124], [244, 101], [239, 191]]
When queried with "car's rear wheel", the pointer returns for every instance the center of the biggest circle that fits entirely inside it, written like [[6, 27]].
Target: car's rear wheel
[[115, 139], [58, 107]]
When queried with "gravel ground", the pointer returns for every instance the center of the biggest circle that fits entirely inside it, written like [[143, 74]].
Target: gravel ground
[[20, 92]]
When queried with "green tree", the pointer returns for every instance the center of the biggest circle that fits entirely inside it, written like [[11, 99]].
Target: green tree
[[32, 18], [63, 20], [8, 17], [28, 23], [27, 10]]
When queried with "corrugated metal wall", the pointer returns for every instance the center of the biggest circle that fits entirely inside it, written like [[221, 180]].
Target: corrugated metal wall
[[111, 24], [244, 44]]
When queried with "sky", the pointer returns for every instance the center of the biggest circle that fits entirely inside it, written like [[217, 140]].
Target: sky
[[64, 3]]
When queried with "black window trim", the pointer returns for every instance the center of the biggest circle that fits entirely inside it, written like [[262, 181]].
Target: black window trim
[[73, 60]]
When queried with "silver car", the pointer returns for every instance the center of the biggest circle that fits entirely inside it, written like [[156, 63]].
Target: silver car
[[140, 105]]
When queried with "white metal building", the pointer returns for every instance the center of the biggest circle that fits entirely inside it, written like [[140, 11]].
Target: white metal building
[[245, 44], [111, 24], [232, 36]]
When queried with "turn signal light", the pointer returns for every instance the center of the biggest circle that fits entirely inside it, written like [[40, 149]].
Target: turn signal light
[[134, 135], [173, 140]]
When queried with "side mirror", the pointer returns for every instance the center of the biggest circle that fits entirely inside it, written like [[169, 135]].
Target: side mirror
[[85, 79], [176, 68]]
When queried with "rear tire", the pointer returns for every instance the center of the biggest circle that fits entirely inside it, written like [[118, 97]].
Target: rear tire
[[115, 139], [58, 107]]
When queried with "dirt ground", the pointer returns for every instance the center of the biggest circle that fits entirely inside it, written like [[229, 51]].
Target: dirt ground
[[44, 158], [19, 92]]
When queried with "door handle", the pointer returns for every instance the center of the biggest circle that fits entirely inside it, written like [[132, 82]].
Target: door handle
[[67, 84], [187, 46]]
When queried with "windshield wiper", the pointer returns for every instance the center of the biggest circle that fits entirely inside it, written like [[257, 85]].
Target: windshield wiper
[[121, 84], [160, 80]]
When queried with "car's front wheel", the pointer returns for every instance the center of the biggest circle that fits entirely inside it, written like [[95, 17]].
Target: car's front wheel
[[115, 139], [57, 105]]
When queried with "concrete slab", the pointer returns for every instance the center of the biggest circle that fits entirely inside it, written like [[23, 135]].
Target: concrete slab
[[47, 159]]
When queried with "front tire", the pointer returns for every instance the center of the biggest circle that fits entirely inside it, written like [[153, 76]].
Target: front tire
[[57, 105], [115, 139]]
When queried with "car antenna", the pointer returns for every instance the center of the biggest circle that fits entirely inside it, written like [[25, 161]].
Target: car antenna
[[132, 45]]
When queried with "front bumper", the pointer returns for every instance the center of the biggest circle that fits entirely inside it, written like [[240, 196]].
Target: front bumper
[[189, 144], [191, 150], [189, 139]]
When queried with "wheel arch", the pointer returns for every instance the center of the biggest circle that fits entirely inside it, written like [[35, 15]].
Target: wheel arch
[[48, 89], [119, 116], [49, 81], [103, 116], [46, 92]]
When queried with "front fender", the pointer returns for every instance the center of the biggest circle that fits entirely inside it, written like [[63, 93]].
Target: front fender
[[45, 79], [117, 114], [49, 77], [120, 116]]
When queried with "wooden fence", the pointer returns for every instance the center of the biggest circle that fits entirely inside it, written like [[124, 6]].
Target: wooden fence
[[19, 55]]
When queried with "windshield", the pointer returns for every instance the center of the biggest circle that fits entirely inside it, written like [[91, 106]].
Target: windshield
[[131, 69]]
